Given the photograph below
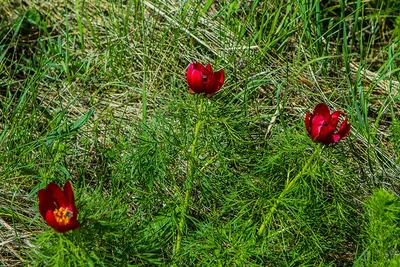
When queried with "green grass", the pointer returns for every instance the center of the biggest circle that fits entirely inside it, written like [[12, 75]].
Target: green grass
[[94, 92]]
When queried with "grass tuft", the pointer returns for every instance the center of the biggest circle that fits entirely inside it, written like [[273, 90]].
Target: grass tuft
[[94, 92]]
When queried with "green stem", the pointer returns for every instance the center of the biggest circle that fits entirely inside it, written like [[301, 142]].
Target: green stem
[[287, 188], [189, 181]]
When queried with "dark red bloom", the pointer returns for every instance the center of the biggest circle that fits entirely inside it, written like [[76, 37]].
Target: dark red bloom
[[57, 207], [202, 80], [321, 125]]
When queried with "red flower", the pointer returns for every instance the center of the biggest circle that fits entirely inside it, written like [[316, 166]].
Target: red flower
[[321, 125], [202, 80], [57, 207]]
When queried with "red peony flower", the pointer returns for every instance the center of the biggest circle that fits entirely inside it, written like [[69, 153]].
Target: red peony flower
[[57, 207], [321, 125], [202, 80]]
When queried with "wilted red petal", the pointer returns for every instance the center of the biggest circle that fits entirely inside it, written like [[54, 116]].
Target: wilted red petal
[[209, 95], [191, 91], [322, 109], [346, 131]]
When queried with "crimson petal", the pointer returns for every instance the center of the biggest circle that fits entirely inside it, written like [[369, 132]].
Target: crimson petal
[[189, 72], [51, 220], [335, 118], [326, 134], [317, 122], [57, 195], [69, 194], [202, 79], [199, 67], [322, 109], [208, 67], [45, 202], [196, 81], [344, 129], [220, 77], [307, 121]]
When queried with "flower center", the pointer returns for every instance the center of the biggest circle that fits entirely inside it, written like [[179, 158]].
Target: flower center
[[62, 215]]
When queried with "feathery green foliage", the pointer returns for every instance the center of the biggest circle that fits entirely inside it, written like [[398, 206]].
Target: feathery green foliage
[[94, 92], [382, 231]]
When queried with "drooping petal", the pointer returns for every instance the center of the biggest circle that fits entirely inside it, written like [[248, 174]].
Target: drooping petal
[[322, 109], [317, 122]]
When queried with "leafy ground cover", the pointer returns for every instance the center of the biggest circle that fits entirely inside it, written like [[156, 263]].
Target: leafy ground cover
[[94, 92]]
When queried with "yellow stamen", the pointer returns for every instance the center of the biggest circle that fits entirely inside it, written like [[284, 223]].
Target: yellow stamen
[[62, 215]]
